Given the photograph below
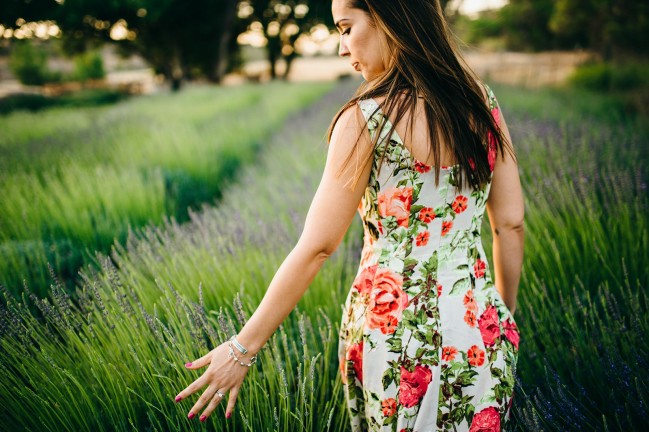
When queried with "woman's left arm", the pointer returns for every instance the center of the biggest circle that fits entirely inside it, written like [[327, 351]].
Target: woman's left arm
[[330, 214]]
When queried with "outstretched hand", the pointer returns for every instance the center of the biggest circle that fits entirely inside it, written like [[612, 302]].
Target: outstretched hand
[[223, 375]]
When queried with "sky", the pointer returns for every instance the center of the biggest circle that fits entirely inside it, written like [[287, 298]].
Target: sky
[[472, 6]]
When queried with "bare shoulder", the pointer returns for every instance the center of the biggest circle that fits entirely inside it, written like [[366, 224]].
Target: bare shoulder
[[350, 134], [350, 117], [350, 150]]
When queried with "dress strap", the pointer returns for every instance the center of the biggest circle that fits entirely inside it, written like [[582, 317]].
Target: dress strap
[[368, 107], [493, 103], [375, 119]]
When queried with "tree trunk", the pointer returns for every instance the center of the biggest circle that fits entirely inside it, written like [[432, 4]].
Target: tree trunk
[[289, 62], [223, 55], [274, 54], [175, 72], [176, 84]]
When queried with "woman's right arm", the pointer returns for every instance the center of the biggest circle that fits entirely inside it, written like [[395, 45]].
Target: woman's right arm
[[506, 210], [331, 212]]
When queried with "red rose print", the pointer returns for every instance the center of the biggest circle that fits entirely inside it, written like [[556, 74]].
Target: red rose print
[[476, 356], [489, 325], [469, 318], [389, 407], [422, 167], [413, 385], [460, 204], [387, 301], [511, 332], [439, 290], [448, 353], [422, 238], [426, 215], [389, 325], [496, 114], [469, 302], [479, 268], [396, 202], [364, 281], [491, 154], [355, 354], [446, 227], [472, 163], [487, 420]]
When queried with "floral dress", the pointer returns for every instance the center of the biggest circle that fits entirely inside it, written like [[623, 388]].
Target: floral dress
[[426, 342]]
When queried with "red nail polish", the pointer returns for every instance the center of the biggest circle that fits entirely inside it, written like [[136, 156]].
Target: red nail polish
[[191, 416], [188, 364], [178, 398], [202, 418], [228, 415]]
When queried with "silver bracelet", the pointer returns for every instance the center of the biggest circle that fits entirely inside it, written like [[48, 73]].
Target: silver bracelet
[[236, 343], [231, 354]]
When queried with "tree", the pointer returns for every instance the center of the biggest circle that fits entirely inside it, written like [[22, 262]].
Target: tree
[[525, 24], [34, 10], [179, 38], [282, 23], [614, 29]]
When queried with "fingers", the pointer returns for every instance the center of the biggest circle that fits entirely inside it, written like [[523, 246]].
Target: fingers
[[201, 362], [218, 371], [208, 394], [193, 387], [232, 400], [216, 400]]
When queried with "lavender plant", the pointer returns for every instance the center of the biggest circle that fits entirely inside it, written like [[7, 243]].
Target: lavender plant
[[112, 358], [73, 181]]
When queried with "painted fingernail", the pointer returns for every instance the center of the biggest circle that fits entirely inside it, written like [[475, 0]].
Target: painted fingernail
[[202, 418], [228, 415], [188, 364], [178, 398], [191, 415]]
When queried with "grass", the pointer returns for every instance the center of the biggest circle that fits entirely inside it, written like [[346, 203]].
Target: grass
[[583, 302], [73, 181], [36, 102], [112, 360], [127, 342]]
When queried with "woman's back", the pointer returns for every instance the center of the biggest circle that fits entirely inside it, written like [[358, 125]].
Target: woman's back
[[424, 331]]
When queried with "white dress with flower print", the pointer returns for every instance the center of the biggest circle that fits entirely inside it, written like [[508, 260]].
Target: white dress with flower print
[[426, 342]]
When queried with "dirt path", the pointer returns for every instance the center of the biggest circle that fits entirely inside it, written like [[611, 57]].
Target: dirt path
[[524, 69]]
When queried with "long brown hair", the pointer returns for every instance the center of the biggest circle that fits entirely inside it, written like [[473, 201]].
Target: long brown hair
[[427, 63]]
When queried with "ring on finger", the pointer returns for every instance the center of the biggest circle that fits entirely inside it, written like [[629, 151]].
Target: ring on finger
[[219, 394]]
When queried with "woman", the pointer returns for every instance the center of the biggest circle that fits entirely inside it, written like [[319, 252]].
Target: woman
[[428, 341]]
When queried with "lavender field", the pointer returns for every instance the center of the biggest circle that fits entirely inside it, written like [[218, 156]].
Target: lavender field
[[76, 180], [110, 355]]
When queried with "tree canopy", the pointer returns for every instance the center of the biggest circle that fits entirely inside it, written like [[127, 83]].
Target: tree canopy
[[612, 28], [188, 38]]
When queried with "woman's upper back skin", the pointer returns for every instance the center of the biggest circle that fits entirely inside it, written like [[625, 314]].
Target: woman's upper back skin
[[415, 136]]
